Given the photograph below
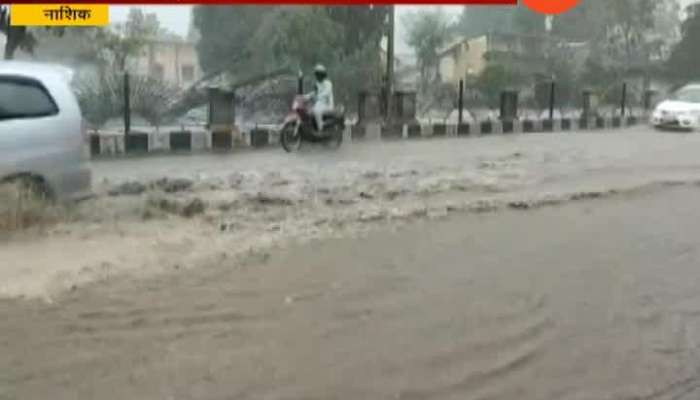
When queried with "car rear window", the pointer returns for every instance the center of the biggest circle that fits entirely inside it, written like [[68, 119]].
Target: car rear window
[[24, 98]]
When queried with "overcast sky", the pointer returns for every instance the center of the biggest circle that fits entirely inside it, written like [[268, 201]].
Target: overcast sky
[[176, 18]]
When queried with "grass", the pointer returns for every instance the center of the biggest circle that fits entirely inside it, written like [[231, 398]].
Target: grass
[[22, 208]]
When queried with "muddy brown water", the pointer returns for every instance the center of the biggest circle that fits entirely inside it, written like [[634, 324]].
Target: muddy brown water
[[592, 300]]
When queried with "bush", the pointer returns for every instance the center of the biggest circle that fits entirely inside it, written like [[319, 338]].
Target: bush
[[102, 98], [494, 79]]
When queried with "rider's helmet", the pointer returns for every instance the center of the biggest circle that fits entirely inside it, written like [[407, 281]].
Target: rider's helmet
[[320, 72]]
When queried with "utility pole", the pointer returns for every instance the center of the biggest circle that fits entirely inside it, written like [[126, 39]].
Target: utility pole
[[127, 105], [389, 89]]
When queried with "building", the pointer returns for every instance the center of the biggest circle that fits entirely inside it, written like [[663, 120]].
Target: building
[[464, 58], [172, 60], [467, 58]]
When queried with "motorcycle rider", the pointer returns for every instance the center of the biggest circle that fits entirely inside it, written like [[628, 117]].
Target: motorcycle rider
[[322, 95]]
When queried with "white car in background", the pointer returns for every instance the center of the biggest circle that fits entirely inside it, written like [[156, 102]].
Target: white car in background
[[680, 111], [42, 135]]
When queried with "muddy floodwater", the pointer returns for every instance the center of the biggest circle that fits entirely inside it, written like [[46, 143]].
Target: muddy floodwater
[[597, 299]]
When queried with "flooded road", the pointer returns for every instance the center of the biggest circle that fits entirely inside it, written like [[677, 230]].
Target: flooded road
[[593, 299]]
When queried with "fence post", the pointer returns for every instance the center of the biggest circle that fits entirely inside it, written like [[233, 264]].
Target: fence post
[[623, 101], [551, 100], [648, 98], [460, 101], [127, 104], [300, 83]]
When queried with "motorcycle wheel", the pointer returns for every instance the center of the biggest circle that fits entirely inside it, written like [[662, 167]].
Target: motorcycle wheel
[[290, 137]]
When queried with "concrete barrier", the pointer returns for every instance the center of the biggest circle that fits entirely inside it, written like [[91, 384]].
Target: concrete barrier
[[136, 142], [464, 130], [107, 144], [221, 141], [180, 141]]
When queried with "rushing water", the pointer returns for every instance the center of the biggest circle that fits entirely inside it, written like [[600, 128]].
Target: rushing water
[[519, 267], [593, 300]]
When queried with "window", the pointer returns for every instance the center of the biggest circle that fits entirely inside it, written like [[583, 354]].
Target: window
[[187, 73], [24, 98]]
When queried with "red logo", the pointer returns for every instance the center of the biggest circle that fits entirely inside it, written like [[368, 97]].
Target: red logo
[[551, 6]]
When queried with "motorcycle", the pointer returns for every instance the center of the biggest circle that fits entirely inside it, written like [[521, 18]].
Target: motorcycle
[[300, 126]]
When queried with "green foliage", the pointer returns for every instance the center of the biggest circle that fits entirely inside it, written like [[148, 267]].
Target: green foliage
[[102, 98], [151, 98], [595, 75], [494, 79], [19, 37], [528, 22], [619, 30], [586, 22], [246, 39], [605, 81], [141, 25], [427, 32], [362, 25], [225, 33], [360, 70], [249, 40], [628, 23], [685, 59], [285, 37], [477, 21]]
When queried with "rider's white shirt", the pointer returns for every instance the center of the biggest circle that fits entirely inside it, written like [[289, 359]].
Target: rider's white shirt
[[324, 94]]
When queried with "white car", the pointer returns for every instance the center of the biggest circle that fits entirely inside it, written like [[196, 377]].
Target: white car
[[679, 111], [42, 136]]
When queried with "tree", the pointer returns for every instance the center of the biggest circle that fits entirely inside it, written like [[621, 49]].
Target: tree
[[585, 23], [141, 25], [527, 22], [114, 46], [629, 22], [427, 32], [685, 58], [362, 25], [494, 79], [478, 20], [284, 38], [225, 33], [667, 21], [250, 40], [102, 98], [18, 37], [151, 98]]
